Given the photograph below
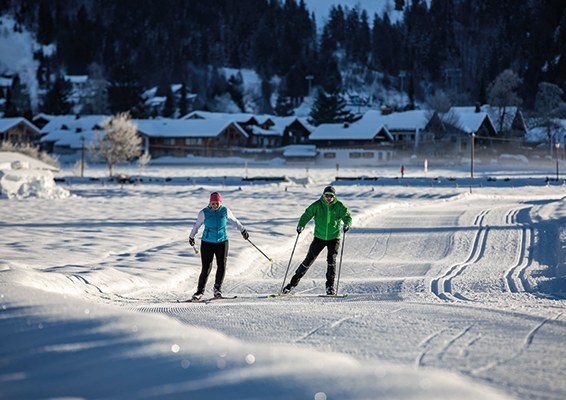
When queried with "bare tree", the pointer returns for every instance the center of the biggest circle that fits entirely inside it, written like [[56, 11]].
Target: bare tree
[[441, 104], [502, 95], [142, 162], [119, 143]]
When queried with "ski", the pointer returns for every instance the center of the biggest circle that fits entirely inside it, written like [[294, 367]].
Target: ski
[[206, 300], [339, 296], [270, 296]]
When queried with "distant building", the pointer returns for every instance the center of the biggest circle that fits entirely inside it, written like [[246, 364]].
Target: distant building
[[179, 138], [18, 130], [264, 131], [63, 135]]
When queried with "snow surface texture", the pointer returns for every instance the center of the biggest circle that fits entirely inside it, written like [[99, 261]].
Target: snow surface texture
[[455, 290]]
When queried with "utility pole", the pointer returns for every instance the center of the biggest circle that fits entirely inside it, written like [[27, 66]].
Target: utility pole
[[473, 137], [83, 157]]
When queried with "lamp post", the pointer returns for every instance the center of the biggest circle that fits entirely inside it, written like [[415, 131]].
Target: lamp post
[[473, 137]]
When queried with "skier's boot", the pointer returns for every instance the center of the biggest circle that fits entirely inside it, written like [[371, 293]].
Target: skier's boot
[[287, 289], [217, 291], [330, 291], [197, 296]]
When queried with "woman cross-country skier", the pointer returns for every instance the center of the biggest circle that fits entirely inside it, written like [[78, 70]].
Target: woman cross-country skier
[[214, 242], [327, 212]]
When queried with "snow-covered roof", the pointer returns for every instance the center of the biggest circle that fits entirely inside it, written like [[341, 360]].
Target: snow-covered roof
[[47, 117], [72, 123], [167, 127], [237, 117], [469, 120], [7, 123], [5, 82], [372, 123], [405, 121], [67, 138], [76, 78], [256, 130], [472, 122]]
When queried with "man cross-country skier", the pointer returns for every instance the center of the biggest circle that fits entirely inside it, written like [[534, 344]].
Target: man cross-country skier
[[327, 212], [214, 242]]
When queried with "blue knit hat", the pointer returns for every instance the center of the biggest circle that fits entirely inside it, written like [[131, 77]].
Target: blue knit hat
[[330, 190]]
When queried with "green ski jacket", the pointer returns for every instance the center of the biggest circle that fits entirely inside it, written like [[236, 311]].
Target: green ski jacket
[[327, 218]]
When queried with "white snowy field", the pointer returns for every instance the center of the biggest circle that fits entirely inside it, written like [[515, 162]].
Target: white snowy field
[[456, 288]]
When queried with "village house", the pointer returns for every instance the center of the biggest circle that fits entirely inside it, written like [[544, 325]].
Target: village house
[[264, 131], [65, 135], [458, 125], [18, 130], [181, 137], [377, 135]]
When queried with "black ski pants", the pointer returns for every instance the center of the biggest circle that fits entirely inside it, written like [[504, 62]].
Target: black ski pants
[[315, 248], [207, 252]]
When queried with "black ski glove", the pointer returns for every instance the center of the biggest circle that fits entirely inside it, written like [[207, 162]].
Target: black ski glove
[[192, 241], [245, 234], [300, 229], [346, 228]]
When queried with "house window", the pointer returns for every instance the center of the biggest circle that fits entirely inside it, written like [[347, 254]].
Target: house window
[[368, 155], [193, 141], [329, 155], [355, 155], [169, 142]]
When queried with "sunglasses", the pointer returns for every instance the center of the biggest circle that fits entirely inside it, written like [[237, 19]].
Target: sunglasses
[[329, 196]]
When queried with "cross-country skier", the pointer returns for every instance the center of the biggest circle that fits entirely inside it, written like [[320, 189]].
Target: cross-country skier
[[327, 212], [214, 242]]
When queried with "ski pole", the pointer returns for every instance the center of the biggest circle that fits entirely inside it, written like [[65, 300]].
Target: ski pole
[[286, 272], [271, 260], [340, 265], [195, 249]]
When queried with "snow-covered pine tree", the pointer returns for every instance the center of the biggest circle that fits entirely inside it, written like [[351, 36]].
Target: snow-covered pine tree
[[330, 107]]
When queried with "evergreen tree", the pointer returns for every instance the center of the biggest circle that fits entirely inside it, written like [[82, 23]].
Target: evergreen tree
[[125, 90], [330, 107], [183, 102], [169, 108], [19, 102], [235, 88], [56, 100], [283, 107], [46, 27]]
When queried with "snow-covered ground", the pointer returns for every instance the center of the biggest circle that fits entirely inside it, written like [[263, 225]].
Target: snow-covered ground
[[456, 288]]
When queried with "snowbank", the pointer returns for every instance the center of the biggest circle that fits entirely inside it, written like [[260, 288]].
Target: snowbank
[[22, 176], [22, 183]]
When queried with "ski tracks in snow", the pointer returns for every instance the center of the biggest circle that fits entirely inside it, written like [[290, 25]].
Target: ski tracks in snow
[[514, 278], [442, 285]]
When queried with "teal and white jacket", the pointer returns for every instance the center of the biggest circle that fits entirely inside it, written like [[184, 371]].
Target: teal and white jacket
[[215, 224]]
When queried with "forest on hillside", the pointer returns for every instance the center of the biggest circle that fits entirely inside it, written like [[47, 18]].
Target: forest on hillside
[[459, 46]]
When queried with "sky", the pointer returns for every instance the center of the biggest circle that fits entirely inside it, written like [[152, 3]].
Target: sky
[[455, 286]]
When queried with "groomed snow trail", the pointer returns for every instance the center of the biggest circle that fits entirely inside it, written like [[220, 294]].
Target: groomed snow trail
[[431, 284]]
